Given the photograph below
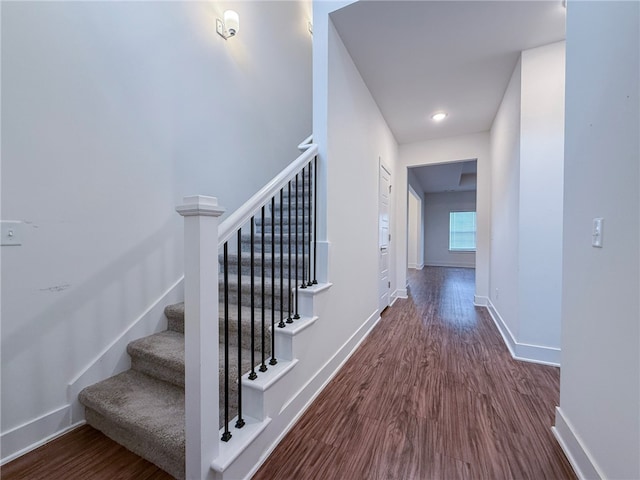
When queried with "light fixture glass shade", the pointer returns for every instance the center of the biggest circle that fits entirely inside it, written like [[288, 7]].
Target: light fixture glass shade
[[231, 22], [438, 117]]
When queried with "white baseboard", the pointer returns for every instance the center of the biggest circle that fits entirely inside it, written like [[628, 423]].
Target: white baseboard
[[111, 361], [579, 457], [523, 351], [451, 265], [480, 301], [114, 359], [35, 433], [303, 399], [399, 293]]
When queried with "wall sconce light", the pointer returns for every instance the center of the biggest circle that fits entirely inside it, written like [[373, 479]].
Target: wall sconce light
[[229, 26]]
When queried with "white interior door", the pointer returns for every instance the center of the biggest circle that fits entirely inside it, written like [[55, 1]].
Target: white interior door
[[384, 190]]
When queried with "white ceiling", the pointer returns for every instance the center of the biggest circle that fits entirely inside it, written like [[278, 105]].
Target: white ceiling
[[447, 177], [418, 57]]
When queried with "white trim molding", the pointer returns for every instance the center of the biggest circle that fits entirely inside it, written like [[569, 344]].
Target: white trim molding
[[400, 293], [480, 301], [293, 407], [523, 351], [35, 433], [114, 359], [579, 457], [451, 264]]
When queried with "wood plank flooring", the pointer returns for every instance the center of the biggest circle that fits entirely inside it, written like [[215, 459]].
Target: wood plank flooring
[[432, 393], [83, 454]]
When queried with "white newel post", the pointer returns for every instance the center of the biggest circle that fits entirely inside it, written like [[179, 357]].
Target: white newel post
[[201, 217]]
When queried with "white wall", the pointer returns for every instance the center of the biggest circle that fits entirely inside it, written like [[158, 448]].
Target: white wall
[[599, 415], [431, 152], [415, 251], [352, 136], [541, 187], [415, 188], [436, 228], [505, 203], [111, 113], [527, 172], [357, 138]]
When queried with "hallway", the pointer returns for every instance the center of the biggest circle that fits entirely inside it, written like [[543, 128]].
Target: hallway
[[432, 393]]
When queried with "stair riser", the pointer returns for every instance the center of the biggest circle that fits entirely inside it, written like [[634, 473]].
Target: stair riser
[[246, 336], [233, 338], [285, 231], [155, 370], [302, 220], [169, 461], [246, 270], [258, 301], [285, 191], [268, 246]]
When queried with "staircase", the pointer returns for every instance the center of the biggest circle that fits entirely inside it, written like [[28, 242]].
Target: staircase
[[143, 408]]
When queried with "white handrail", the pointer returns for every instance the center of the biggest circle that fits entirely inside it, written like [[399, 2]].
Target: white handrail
[[238, 218], [306, 143]]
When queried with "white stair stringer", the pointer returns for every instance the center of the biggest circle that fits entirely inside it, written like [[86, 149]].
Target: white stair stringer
[[272, 403]]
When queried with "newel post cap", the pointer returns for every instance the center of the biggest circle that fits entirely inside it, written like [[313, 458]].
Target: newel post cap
[[200, 205]]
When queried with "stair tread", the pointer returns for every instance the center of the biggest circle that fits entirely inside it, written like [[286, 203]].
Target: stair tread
[[246, 279], [165, 348], [141, 404], [177, 311]]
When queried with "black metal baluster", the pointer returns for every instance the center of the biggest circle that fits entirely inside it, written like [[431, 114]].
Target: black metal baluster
[[253, 375], [315, 223], [227, 434], [289, 319], [309, 225], [273, 360], [263, 366], [296, 315], [281, 324], [304, 276], [240, 421]]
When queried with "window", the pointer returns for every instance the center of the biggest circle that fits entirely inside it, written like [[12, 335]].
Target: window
[[462, 231]]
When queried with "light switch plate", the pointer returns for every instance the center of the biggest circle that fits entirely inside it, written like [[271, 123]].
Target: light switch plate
[[11, 232]]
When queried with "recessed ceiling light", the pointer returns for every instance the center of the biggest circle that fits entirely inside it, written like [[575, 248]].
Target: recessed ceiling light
[[438, 117]]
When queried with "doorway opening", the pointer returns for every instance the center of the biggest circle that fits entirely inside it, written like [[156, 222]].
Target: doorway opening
[[443, 233]]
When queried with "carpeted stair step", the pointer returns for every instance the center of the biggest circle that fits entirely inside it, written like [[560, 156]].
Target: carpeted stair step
[[160, 356], [245, 292], [285, 230], [175, 314], [245, 260], [302, 220], [268, 246], [141, 413]]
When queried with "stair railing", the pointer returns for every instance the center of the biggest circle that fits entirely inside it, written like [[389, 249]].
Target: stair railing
[[206, 321]]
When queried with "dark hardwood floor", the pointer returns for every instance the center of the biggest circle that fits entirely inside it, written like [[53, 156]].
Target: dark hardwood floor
[[432, 393], [83, 454]]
